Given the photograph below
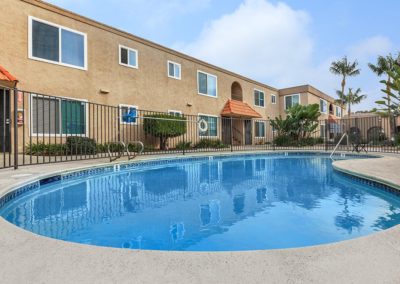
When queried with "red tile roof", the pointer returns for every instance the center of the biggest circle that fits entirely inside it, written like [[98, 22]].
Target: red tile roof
[[6, 76], [235, 108]]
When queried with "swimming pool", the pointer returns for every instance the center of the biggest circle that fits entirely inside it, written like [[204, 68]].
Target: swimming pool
[[217, 203]]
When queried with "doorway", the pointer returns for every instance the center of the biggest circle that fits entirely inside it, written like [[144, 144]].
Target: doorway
[[5, 133], [248, 132]]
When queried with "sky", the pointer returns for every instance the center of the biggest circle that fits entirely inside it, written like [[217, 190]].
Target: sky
[[279, 43]]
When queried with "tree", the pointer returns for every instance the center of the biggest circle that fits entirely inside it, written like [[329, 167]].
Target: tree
[[164, 126], [345, 69], [392, 100], [350, 99], [384, 65], [300, 122]]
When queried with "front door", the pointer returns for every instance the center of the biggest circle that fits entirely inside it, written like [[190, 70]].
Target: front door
[[226, 130], [5, 135], [247, 132]]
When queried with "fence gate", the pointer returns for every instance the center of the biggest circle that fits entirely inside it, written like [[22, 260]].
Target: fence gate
[[5, 120]]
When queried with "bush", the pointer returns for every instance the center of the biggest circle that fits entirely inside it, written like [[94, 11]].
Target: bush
[[287, 141], [210, 143], [43, 149], [164, 126], [397, 139], [77, 145], [183, 145]]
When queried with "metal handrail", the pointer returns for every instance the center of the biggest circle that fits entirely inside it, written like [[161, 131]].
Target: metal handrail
[[126, 150], [138, 153], [337, 145], [119, 153]]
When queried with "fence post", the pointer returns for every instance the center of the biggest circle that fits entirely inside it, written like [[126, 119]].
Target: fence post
[[273, 137], [15, 125], [231, 134], [184, 143], [326, 134]]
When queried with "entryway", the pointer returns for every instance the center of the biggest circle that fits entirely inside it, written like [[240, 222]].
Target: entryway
[[5, 120]]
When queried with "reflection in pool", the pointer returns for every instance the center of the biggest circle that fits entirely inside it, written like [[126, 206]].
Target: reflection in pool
[[240, 203]]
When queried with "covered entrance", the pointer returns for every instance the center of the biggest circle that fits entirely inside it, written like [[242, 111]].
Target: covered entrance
[[6, 81], [237, 119]]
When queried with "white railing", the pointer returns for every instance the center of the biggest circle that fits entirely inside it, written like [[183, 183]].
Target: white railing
[[337, 145]]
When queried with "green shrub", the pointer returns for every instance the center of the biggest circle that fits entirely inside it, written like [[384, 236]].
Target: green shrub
[[397, 139], [183, 145], [288, 141], [164, 126], [42, 149], [210, 143], [77, 145]]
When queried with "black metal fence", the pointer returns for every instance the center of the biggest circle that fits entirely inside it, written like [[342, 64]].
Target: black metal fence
[[37, 128]]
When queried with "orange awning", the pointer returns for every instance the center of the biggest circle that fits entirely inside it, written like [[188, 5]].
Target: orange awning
[[6, 76], [235, 108]]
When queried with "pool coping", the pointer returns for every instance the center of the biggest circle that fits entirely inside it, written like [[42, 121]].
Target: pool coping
[[28, 257]]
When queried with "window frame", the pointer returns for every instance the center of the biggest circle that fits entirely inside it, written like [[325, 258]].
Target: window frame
[[32, 134], [174, 112], [254, 94], [255, 132], [120, 106], [336, 111], [208, 115], [120, 46], [273, 99], [216, 84], [180, 70], [60, 27], [326, 106], [293, 95]]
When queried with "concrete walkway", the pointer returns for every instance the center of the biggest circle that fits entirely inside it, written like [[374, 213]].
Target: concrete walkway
[[29, 258]]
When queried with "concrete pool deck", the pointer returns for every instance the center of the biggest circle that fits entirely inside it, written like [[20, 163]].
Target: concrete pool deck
[[30, 258]]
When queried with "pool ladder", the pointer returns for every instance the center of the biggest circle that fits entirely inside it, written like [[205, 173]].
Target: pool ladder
[[337, 145], [125, 150]]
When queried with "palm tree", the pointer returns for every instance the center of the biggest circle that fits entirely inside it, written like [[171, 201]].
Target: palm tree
[[352, 98], [384, 65], [345, 69]]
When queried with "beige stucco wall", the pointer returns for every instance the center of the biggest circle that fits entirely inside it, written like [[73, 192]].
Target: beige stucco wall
[[148, 87]]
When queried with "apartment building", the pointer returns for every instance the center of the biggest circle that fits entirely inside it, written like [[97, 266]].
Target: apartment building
[[51, 51]]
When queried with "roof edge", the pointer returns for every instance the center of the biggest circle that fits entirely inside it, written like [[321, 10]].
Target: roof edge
[[66, 13]]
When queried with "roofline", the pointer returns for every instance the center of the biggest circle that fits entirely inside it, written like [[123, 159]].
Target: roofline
[[311, 90], [94, 23]]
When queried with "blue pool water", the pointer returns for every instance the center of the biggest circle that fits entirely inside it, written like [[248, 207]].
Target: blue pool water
[[220, 204]]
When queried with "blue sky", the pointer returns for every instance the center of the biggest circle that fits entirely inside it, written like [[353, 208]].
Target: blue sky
[[280, 43]]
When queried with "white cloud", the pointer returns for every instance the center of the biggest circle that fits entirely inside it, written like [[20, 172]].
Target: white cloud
[[258, 39], [370, 47]]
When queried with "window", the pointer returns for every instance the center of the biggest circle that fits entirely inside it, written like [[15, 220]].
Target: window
[[323, 106], [128, 57], [273, 99], [174, 70], [212, 125], [128, 114], [57, 116], [207, 84], [260, 129], [291, 101], [259, 98], [338, 111], [56, 44], [175, 113]]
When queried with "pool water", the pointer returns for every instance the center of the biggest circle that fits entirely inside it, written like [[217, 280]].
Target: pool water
[[221, 204]]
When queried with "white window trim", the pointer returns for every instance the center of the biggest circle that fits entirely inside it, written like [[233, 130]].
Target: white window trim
[[175, 111], [210, 115], [284, 99], [254, 97], [255, 135], [326, 111], [180, 70], [30, 37], [120, 106], [129, 49], [336, 111], [273, 96], [216, 84], [32, 134]]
